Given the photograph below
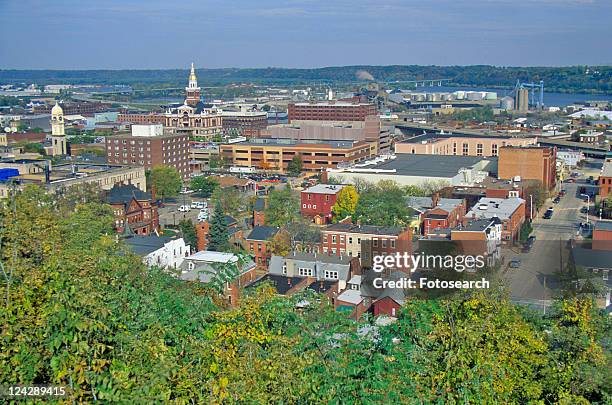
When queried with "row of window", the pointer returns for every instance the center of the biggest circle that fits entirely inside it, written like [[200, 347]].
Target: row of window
[[383, 242]]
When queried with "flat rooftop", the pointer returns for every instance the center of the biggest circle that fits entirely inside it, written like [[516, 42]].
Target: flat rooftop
[[291, 142], [606, 170], [433, 137], [406, 164]]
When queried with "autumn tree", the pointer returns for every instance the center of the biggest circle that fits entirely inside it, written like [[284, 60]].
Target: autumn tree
[[346, 202], [280, 245]]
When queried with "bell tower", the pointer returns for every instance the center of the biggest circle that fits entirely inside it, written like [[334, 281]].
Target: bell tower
[[58, 136], [192, 90]]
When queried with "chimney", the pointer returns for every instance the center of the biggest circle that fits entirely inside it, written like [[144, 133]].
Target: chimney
[[435, 198]]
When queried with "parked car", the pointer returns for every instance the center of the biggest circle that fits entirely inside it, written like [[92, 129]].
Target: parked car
[[557, 200], [562, 192], [202, 216], [549, 213], [570, 180], [185, 190], [199, 204], [184, 208], [515, 263], [584, 210]]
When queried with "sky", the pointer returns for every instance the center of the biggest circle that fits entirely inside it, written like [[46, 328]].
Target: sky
[[151, 34]]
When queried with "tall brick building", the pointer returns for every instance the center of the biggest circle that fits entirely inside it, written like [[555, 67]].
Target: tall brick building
[[150, 151], [605, 180], [530, 163], [330, 111]]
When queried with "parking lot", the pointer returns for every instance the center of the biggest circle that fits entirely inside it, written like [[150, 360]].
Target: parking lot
[[169, 214]]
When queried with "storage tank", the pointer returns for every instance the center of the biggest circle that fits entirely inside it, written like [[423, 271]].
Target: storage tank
[[490, 95], [473, 95], [507, 103]]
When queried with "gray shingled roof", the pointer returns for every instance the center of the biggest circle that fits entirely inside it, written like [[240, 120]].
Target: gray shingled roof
[[262, 233]]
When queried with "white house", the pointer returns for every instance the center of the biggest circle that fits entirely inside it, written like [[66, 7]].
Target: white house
[[160, 251]]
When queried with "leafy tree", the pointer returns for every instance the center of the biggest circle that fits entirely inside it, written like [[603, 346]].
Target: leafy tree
[[188, 233], [383, 204], [218, 236], [205, 186], [34, 147], [230, 199], [295, 166], [283, 207], [346, 202], [537, 193], [280, 244], [166, 181]]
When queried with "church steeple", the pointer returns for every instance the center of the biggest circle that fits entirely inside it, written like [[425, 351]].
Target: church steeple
[[192, 90], [58, 136]]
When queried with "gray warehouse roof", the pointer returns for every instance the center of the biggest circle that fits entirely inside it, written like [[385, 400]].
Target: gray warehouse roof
[[429, 165]]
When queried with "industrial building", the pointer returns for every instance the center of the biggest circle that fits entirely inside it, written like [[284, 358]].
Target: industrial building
[[409, 169], [459, 145]]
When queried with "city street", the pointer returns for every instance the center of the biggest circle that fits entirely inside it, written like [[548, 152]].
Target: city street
[[535, 279]]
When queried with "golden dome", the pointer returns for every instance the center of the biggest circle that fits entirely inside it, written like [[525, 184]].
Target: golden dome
[[57, 110]]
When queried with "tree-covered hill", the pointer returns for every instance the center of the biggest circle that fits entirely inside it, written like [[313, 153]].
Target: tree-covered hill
[[78, 309], [565, 79]]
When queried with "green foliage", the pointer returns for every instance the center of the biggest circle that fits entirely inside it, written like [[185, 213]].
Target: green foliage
[[383, 204], [34, 147], [481, 114], [166, 181], [205, 186], [295, 166], [283, 207], [79, 309], [231, 201], [525, 231], [218, 236], [188, 233]]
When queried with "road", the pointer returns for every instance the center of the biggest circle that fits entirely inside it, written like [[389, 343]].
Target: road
[[536, 278]]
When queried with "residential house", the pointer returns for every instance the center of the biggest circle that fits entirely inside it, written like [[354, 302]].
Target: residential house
[[226, 269], [258, 242], [511, 212], [479, 237], [351, 299], [134, 208], [259, 212], [350, 239], [300, 271], [159, 251], [317, 202]]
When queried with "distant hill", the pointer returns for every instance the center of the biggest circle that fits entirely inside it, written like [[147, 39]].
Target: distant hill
[[595, 79]]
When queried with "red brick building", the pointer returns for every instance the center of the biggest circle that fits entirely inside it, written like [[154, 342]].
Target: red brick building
[[511, 212], [259, 212], [258, 244], [141, 118], [602, 236], [330, 111], [133, 208], [446, 213], [605, 180], [365, 241], [150, 151], [529, 163], [317, 202]]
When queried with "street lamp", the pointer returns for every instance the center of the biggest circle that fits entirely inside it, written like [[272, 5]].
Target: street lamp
[[588, 205]]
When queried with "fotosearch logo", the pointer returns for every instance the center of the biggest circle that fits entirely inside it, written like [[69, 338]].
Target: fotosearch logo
[[414, 262]]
